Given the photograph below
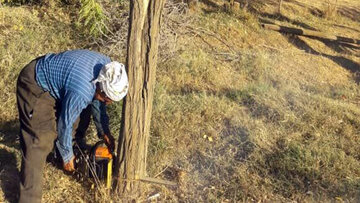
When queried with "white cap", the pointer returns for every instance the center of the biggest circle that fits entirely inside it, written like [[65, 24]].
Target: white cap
[[113, 80]]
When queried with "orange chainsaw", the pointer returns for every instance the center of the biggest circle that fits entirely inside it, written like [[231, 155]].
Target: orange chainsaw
[[96, 163]]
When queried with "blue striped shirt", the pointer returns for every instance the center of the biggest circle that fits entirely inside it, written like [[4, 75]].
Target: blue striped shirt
[[68, 77]]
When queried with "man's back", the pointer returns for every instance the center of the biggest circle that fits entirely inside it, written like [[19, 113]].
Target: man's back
[[70, 71]]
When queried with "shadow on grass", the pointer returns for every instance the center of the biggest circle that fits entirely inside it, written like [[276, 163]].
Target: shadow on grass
[[282, 18], [341, 47], [256, 108], [11, 131], [351, 13], [346, 27], [210, 3], [237, 140], [340, 60], [9, 175], [284, 168], [216, 165], [296, 172]]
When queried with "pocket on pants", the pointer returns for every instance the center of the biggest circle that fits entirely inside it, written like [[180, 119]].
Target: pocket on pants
[[43, 113]]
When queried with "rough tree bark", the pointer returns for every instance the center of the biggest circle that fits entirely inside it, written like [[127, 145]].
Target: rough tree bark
[[130, 166]]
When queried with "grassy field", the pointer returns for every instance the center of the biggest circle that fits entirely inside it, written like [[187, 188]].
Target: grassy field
[[241, 114]]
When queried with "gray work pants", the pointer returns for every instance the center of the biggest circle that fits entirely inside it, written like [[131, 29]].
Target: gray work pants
[[37, 114], [37, 132]]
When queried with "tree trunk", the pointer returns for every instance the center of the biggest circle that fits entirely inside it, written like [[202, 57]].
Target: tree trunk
[[145, 18]]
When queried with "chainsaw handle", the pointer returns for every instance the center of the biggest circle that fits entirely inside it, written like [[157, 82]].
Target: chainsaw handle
[[93, 149]]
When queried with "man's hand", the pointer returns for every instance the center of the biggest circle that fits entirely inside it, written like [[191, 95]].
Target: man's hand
[[110, 142], [69, 167]]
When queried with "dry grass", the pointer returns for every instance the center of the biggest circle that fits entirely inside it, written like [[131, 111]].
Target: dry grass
[[240, 113], [275, 108]]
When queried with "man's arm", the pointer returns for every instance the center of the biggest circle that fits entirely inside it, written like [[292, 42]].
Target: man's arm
[[100, 117], [101, 121], [71, 107]]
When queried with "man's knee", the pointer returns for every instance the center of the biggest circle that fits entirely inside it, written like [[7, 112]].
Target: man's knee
[[45, 142]]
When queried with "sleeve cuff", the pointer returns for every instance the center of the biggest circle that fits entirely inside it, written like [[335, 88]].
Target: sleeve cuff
[[66, 154]]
